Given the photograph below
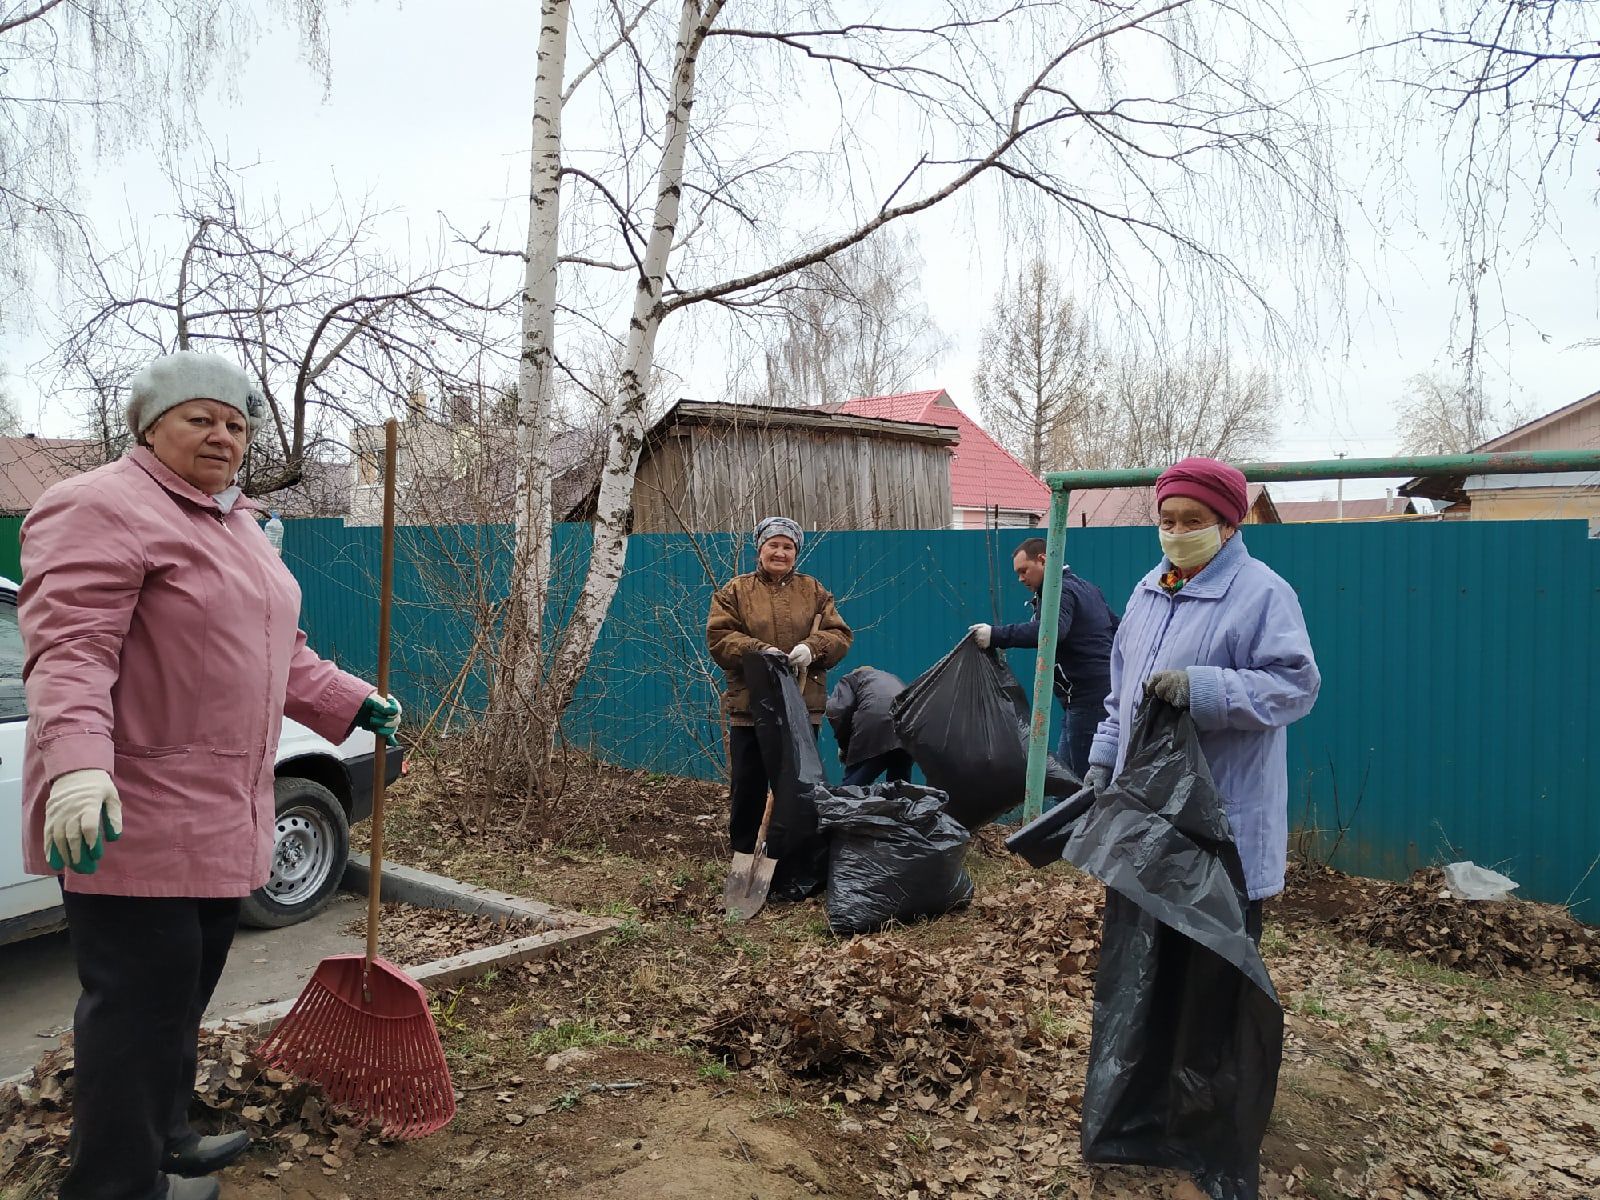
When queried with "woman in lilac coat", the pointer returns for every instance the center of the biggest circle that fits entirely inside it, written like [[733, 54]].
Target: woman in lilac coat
[[1213, 630], [163, 652]]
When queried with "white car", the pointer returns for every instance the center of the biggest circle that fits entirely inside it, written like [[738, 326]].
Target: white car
[[322, 789]]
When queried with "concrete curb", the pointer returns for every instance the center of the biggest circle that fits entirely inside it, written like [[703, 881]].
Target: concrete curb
[[444, 972], [558, 929], [407, 885]]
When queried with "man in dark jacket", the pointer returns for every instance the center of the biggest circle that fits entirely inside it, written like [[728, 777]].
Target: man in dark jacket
[[1083, 649], [858, 710]]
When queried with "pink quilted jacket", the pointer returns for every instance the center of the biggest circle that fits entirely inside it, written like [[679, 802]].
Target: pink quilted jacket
[[163, 646]]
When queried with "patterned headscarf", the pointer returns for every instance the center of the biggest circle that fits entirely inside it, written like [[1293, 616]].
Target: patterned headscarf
[[771, 527]]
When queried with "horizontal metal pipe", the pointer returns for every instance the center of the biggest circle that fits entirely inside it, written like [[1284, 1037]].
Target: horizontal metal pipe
[[1530, 463]]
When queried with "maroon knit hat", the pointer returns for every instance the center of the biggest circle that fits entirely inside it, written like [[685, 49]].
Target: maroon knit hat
[[1215, 484]]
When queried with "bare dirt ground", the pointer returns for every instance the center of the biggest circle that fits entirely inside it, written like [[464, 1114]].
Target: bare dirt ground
[[685, 1057]]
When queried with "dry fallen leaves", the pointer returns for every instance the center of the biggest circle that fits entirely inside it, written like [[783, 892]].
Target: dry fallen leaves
[[992, 1029], [411, 935], [1422, 919], [272, 1106]]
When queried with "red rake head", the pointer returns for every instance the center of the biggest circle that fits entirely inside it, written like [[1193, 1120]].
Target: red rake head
[[378, 1058]]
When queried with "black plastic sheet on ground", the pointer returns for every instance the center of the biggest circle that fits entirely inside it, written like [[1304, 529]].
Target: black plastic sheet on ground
[[966, 723], [894, 854], [1188, 1029], [794, 772]]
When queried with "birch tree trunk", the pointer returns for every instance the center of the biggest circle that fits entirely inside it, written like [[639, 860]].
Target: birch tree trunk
[[615, 504], [536, 375]]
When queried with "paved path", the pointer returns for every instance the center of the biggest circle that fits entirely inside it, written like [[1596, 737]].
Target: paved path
[[38, 985]]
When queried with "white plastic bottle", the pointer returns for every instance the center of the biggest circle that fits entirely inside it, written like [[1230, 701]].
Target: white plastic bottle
[[274, 531]]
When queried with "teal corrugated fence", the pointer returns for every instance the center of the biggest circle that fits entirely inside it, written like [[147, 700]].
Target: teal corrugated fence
[[11, 548], [1459, 661]]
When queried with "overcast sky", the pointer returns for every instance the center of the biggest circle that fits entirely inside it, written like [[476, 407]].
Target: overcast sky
[[429, 111]]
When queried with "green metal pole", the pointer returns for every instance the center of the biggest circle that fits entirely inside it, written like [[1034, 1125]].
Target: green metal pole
[[1044, 671], [1527, 463]]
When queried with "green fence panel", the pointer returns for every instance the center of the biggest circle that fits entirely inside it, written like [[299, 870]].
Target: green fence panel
[[1458, 660], [11, 548]]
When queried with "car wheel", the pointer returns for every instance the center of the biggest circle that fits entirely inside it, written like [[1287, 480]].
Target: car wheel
[[311, 844]]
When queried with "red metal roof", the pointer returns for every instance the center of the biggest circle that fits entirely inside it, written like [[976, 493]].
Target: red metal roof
[[29, 465], [983, 473], [1328, 510]]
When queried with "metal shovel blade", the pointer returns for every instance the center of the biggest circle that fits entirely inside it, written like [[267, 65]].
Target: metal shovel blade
[[745, 892]]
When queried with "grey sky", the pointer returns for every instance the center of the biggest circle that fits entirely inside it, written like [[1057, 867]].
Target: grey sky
[[429, 111]]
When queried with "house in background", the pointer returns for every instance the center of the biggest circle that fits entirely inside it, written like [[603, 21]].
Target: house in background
[[324, 490], [989, 486], [460, 471], [722, 467], [1390, 508], [1105, 508], [29, 465], [1524, 497]]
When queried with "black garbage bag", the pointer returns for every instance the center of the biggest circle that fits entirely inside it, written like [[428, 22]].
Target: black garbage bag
[[794, 771], [1188, 1029], [894, 854], [966, 721]]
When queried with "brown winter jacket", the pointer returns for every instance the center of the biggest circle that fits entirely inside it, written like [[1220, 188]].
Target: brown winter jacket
[[753, 612]]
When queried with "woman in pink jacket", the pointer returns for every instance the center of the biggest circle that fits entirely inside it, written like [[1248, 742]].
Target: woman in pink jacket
[[163, 651]]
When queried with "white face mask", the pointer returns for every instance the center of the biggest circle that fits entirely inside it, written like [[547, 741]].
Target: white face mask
[[1186, 551]]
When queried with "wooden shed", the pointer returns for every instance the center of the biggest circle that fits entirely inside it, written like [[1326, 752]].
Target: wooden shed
[[722, 467]]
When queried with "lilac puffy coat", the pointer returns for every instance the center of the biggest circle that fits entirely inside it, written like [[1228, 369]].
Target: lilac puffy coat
[[1238, 629]]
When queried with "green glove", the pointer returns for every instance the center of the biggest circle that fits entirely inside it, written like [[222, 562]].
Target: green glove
[[381, 715], [82, 814]]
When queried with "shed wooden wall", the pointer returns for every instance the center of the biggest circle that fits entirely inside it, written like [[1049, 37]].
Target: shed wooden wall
[[702, 479]]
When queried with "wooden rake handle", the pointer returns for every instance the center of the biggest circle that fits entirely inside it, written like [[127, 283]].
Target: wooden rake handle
[[380, 772]]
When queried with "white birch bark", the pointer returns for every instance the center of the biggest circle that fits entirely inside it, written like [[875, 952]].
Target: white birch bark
[[628, 414], [536, 374]]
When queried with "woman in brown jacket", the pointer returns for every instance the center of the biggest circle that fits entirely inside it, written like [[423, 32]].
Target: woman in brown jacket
[[774, 608]]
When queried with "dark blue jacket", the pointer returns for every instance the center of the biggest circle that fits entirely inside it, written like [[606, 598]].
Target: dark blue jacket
[[858, 710], [1083, 640]]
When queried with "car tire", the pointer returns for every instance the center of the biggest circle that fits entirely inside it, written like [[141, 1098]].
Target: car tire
[[311, 845]]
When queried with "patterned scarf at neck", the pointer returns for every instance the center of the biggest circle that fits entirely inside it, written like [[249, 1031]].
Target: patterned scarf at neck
[[1173, 580]]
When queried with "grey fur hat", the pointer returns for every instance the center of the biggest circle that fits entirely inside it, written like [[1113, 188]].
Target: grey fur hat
[[772, 527], [174, 379]]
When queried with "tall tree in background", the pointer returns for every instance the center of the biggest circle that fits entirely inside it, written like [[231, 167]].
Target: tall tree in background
[[87, 77], [1164, 409], [313, 306], [1507, 94], [705, 186], [853, 325], [1036, 375], [10, 418], [1444, 416]]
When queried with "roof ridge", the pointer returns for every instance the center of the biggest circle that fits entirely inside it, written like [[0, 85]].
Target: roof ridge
[[1533, 423]]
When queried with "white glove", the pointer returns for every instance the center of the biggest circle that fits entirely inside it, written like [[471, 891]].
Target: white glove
[[82, 806], [983, 635], [800, 657]]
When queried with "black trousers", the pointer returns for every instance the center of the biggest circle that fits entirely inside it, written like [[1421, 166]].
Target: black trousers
[[748, 783], [894, 765], [1252, 921], [148, 967]]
